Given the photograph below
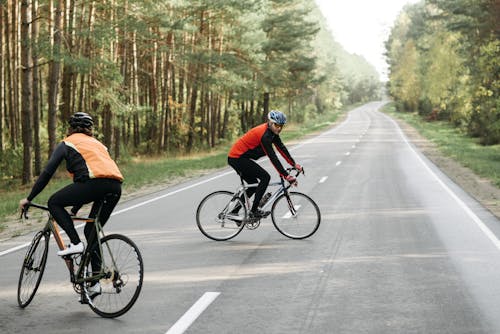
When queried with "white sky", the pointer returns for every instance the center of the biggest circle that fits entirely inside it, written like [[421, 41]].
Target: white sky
[[362, 26]]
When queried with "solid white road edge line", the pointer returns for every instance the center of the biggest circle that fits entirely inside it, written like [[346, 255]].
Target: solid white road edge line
[[193, 313], [482, 226]]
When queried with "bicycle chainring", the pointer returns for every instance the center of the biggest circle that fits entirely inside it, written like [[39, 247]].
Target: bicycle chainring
[[252, 224]]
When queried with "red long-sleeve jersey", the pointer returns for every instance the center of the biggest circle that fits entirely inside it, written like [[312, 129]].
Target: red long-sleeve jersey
[[258, 142]]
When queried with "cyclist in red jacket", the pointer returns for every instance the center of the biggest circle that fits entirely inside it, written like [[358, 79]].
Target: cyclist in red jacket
[[253, 145]]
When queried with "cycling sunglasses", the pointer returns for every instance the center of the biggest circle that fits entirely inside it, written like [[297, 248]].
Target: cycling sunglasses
[[278, 125]]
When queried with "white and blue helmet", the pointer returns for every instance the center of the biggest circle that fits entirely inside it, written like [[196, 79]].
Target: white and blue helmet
[[277, 117]]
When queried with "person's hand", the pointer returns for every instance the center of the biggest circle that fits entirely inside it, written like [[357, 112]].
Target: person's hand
[[291, 179], [23, 202], [298, 167]]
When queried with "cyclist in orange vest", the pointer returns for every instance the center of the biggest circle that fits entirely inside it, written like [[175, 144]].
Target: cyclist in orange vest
[[95, 175], [253, 145]]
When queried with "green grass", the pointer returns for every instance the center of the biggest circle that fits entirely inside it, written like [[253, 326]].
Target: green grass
[[483, 160], [142, 172]]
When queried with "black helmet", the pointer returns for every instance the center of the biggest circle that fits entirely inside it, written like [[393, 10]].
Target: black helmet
[[81, 120]]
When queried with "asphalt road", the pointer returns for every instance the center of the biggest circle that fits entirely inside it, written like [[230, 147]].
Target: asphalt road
[[401, 249]]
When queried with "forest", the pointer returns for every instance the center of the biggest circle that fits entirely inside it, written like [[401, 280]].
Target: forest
[[164, 77], [444, 58]]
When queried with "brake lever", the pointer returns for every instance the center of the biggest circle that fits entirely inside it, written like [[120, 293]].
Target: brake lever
[[300, 171], [24, 213]]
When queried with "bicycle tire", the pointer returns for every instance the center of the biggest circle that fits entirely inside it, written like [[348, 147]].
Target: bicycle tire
[[126, 273], [214, 217], [302, 222], [32, 269]]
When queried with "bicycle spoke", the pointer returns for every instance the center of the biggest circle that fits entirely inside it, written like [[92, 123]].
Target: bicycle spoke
[[220, 216], [32, 269], [124, 269], [296, 215]]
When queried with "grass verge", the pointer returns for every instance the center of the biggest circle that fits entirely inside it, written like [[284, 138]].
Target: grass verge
[[482, 160]]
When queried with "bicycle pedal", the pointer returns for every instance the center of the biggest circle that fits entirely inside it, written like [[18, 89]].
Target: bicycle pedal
[[83, 299]]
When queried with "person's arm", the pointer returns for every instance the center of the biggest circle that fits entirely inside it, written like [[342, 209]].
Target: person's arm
[[49, 170], [267, 146], [283, 151]]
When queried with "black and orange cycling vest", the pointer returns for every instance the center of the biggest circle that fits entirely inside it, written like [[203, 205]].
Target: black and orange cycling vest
[[86, 158], [89, 158]]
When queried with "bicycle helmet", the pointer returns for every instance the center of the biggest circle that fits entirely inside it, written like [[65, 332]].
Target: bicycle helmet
[[277, 117], [81, 120]]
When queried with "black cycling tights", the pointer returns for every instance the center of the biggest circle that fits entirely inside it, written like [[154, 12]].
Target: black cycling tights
[[78, 194], [251, 172]]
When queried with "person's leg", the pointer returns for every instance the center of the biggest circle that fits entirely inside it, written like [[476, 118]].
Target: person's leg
[[73, 194], [252, 172], [101, 188], [241, 166], [264, 178]]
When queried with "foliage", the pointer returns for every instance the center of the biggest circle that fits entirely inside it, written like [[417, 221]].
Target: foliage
[[483, 160], [166, 76], [444, 62]]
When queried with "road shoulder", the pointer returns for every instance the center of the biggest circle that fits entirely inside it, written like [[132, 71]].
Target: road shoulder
[[483, 190]]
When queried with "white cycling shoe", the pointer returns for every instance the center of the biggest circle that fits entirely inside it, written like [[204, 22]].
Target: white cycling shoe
[[93, 291], [72, 249]]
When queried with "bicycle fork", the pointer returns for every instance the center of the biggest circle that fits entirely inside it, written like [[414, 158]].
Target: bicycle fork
[[290, 205]]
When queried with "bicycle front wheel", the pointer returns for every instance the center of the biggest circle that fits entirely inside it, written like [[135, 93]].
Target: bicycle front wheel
[[32, 269], [295, 215], [124, 269], [220, 216]]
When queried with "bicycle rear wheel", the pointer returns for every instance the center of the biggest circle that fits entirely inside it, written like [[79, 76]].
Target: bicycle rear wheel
[[124, 269], [32, 269], [220, 216], [295, 215]]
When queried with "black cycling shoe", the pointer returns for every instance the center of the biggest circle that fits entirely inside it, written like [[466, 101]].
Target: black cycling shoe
[[258, 214]]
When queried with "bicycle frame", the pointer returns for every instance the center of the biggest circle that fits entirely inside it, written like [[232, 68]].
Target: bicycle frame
[[77, 278], [242, 190]]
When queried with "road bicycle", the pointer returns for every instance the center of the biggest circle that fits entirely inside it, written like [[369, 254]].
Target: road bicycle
[[222, 215], [120, 276]]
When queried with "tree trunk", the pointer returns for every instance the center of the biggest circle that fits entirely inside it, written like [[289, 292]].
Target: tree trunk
[[26, 84], [266, 105], [135, 89], [153, 91], [14, 112], [36, 90], [9, 77], [192, 112], [54, 77], [106, 125], [67, 76], [117, 141], [227, 105], [2, 81]]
